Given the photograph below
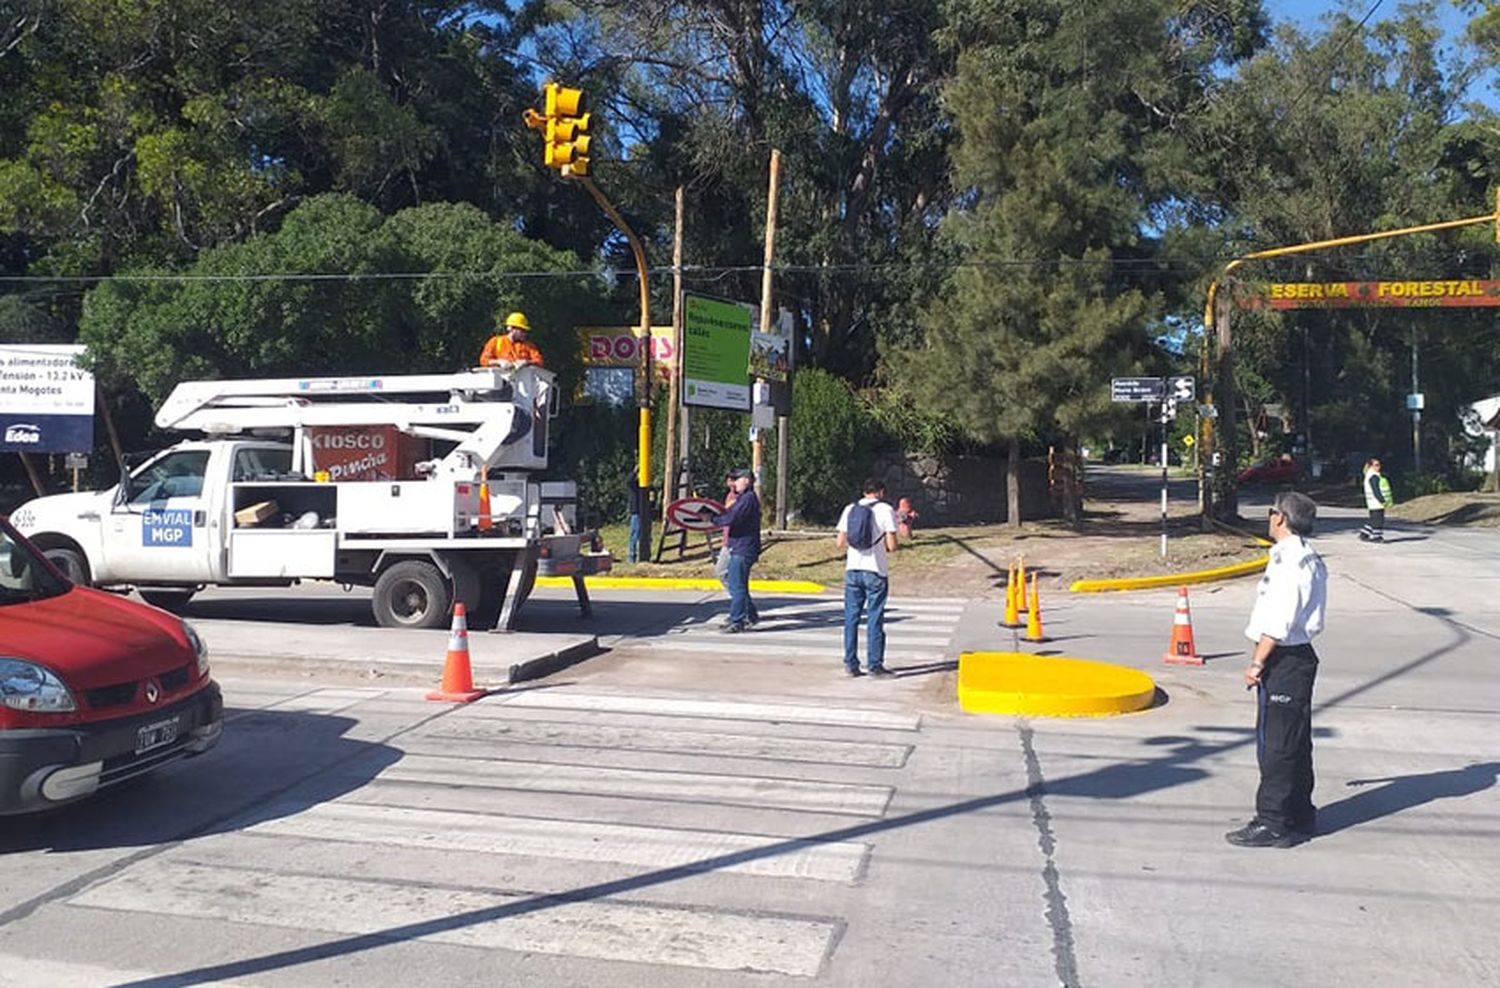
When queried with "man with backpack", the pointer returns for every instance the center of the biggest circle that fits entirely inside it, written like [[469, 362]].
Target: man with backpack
[[867, 530]]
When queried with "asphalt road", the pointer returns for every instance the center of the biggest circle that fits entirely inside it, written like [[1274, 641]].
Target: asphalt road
[[694, 808]]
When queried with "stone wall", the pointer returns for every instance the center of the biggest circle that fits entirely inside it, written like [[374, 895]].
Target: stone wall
[[962, 490]]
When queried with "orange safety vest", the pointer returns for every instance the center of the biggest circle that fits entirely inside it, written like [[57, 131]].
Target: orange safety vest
[[501, 348]]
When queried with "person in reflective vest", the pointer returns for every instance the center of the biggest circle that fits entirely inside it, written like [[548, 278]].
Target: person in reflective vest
[[1377, 498], [512, 347]]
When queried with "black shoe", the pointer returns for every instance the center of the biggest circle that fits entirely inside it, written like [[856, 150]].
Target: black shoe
[[853, 672], [881, 672], [734, 627], [1257, 834], [1306, 826]]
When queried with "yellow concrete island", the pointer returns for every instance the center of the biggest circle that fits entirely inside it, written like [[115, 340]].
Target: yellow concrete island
[[1049, 686]]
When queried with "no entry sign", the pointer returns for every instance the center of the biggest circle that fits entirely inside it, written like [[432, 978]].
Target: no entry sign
[[693, 513]]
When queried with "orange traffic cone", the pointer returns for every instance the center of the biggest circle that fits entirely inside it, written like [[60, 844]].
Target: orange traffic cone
[[1021, 580], [1182, 651], [458, 674], [1034, 615], [1012, 601], [485, 521]]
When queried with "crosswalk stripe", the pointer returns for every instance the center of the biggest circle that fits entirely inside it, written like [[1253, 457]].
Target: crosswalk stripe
[[889, 720], [30, 972], [842, 798], [600, 929], [573, 734], [759, 651], [761, 633], [647, 847]]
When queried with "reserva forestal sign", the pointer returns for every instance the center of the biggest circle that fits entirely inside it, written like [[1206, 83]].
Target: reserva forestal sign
[[1457, 293]]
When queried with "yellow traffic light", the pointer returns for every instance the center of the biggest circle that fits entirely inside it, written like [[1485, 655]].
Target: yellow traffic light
[[564, 128]]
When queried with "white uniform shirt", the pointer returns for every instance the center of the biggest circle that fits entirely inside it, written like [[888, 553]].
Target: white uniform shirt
[[873, 558], [1292, 595]]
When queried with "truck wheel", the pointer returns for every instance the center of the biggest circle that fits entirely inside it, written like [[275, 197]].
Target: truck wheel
[[74, 564], [167, 600], [412, 594]]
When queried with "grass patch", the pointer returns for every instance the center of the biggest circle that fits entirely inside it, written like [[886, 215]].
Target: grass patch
[[1457, 508]]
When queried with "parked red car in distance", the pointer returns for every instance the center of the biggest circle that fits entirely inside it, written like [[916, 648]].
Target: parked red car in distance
[[94, 688], [1283, 469]]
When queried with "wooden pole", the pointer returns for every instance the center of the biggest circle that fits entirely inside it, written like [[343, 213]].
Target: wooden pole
[[36, 479], [109, 425], [671, 489], [758, 452]]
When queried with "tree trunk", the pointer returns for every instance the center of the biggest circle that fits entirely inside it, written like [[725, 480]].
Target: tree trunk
[[1013, 485]]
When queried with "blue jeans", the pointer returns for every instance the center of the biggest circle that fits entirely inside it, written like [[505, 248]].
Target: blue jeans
[[864, 591], [634, 552], [741, 608]]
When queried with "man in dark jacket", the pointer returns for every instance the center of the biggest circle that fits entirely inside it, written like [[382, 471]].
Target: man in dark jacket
[[742, 520]]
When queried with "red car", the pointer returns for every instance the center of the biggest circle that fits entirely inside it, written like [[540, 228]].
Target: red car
[[1282, 470], [94, 688]]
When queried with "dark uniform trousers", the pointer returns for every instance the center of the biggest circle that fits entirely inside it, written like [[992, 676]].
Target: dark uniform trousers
[[1283, 734]]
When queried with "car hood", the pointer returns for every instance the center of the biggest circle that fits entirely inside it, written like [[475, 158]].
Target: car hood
[[91, 638]]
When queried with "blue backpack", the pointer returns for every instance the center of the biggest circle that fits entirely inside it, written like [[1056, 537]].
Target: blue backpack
[[862, 531]]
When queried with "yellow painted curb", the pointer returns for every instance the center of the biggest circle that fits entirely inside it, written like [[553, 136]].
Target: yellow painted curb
[[1171, 579], [1049, 686], [674, 583]]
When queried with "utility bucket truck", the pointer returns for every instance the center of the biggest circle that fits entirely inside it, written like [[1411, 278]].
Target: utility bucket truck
[[421, 487]]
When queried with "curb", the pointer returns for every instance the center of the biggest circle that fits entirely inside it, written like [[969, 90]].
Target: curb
[[676, 583], [546, 665], [1181, 579]]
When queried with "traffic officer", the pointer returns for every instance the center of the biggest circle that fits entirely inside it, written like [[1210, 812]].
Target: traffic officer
[[1377, 499], [513, 347], [1288, 614]]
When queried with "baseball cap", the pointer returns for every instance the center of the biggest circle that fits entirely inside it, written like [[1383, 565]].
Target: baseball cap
[[739, 472]]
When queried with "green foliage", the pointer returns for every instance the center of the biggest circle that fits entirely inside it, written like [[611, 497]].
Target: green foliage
[[232, 318], [906, 424], [831, 448]]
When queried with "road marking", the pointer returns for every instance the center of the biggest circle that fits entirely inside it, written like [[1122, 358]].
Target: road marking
[[625, 844], [604, 930], [738, 790], [593, 735], [31, 972], [328, 701], [888, 720]]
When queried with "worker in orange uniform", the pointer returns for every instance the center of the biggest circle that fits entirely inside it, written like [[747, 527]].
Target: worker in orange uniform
[[513, 347]]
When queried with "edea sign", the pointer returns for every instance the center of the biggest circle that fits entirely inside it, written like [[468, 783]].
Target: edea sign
[[46, 399]]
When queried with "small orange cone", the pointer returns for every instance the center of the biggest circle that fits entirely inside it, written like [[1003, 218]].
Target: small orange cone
[[485, 521], [1182, 651], [1012, 601], [1034, 615], [1021, 581], [458, 673]]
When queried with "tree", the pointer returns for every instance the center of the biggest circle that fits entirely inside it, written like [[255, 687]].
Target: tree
[[1065, 145], [319, 296]]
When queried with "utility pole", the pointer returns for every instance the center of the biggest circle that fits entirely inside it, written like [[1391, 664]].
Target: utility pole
[[671, 478], [757, 456], [1415, 401]]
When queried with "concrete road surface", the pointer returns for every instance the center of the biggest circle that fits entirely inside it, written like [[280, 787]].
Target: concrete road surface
[[699, 809]]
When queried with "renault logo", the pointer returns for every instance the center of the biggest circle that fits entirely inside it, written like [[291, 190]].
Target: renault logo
[[153, 692]]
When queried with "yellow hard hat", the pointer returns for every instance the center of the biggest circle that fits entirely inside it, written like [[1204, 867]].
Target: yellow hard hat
[[517, 320]]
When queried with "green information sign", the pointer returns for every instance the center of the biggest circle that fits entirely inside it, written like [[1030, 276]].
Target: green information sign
[[715, 353]]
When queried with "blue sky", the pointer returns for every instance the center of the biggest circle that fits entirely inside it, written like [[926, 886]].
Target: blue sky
[[1309, 13]]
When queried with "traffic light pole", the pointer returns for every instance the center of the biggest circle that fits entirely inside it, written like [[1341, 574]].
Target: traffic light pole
[[643, 461], [1216, 324]]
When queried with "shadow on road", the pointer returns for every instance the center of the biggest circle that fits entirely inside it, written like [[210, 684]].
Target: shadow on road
[[288, 759], [1403, 792]]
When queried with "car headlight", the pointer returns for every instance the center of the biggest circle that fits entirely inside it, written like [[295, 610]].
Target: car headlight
[[195, 640], [30, 687]]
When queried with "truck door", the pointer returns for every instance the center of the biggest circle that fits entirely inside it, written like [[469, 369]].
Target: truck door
[[158, 527]]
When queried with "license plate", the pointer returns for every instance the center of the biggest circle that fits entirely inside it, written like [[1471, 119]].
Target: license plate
[[154, 735]]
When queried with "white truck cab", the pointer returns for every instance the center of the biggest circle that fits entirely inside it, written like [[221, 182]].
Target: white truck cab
[[238, 509]]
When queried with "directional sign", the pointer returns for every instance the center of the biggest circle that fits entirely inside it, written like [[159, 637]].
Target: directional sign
[[1188, 441], [694, 514], [1182, 388], [1136, 389]]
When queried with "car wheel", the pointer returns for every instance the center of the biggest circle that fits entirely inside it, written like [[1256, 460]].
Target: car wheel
[[167, 600], [74, 564], [412, 594]]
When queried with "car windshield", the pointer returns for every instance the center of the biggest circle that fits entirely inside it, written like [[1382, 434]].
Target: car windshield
[[23, 574]]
